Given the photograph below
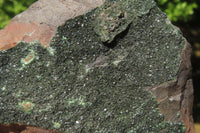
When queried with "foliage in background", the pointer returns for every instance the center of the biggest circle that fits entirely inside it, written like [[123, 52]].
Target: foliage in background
[[178, 10], [10, 8]]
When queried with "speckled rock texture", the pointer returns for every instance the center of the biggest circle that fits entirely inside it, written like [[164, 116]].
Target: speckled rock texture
[[40, 21], [121, 67]]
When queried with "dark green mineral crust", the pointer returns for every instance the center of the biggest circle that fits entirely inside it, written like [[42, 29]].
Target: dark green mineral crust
[[115, 16], [82, 84]]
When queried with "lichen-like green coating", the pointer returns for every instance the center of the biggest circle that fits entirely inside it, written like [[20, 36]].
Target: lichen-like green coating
[[82, 84], [115, 16]]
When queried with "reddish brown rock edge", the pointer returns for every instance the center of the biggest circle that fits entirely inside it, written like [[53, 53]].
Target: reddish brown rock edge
[[176, 97], [40, 21], [20, 128], [15, 32]]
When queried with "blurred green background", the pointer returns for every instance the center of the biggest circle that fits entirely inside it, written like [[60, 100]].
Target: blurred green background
[[178, 10], [10, 8], [183, 13]]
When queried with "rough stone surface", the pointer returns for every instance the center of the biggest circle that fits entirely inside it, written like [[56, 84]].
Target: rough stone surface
[[135, 78], [114, 17], [40, 21]]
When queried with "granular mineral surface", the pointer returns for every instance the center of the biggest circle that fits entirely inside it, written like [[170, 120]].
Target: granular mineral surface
[[94, 78]]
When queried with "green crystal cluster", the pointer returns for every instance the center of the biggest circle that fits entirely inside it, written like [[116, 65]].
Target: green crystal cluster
[[82, 84]]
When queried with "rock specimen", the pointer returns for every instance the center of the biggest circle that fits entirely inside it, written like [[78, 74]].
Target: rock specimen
[[121, 67]]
